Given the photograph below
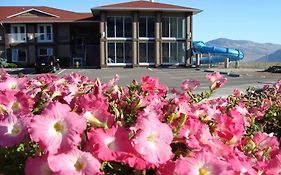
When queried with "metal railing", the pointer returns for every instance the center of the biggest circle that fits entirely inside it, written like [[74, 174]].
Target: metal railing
[[17, 37]]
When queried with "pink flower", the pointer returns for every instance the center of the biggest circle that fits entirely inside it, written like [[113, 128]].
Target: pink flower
[[12, 83], [153, 139], [274, 166], [153, 86], [74, 162], [12, 130], [15, 102], [3, 75], [216, 79], [237, 93], [37, 166], [57, 129], [203, 163], [109, 144], [190, 85], [95, 110]]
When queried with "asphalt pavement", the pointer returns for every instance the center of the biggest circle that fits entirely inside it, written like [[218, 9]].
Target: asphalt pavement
[[173, 77]]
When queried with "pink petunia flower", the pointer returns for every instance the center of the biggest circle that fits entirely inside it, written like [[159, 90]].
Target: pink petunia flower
[[74, 162], [216, 79], [203, 163], [15, 102], [13, 83], [109, 144], [12, 130], [190, 85], [153, 139], [57, 129], [37, 166]]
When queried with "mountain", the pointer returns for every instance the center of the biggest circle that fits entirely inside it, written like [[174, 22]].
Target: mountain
[[274, 57], [253, 51]]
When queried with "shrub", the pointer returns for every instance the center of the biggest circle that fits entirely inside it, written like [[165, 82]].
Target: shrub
[[74, 125]]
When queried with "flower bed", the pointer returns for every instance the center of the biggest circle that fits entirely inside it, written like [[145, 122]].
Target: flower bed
[[75, 125]]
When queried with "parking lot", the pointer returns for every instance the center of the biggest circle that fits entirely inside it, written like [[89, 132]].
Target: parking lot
[[171, 77]]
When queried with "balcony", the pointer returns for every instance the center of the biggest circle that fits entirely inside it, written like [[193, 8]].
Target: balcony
[[44, 37], [17, 38]]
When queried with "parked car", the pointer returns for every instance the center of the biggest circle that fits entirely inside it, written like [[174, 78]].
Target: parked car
[[46, 64]]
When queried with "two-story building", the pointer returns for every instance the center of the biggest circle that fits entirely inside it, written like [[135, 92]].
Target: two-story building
[[136, 33]]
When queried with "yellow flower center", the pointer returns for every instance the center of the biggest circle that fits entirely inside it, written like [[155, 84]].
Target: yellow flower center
[[79, 165], [203, 171], [151, 138], [59, 127], [16, 130], [16, 106]]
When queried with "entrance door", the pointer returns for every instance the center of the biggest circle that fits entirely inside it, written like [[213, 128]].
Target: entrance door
[[79, 49]]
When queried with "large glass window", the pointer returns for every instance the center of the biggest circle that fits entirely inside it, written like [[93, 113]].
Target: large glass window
[[19, 55], [119, 27], [18, 33], [173, 27], [173, 52], [119, 52], [45, 33], [147, 52], [147, 27]]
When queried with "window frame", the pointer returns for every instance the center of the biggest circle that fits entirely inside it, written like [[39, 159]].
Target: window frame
[[114, 63], [115, 27], [48, 50], [146, 28], [177, 30], [18, 34], [16, 60], [177, 52], [45, 34], [147, 53]]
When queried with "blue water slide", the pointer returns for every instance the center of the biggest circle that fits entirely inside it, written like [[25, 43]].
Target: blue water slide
[[218, 53]]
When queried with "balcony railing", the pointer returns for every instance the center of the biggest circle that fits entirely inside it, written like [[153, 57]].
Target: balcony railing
[[44, 37], [17, 38]]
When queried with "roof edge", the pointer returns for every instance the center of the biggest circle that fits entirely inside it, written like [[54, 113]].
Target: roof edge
[[32, 9]]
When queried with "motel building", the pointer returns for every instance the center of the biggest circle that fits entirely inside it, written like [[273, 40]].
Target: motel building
[[130, 34]]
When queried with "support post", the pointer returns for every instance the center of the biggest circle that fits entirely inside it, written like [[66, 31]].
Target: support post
[[198, 57], [157, 39], [237, 64], [135, 37], [102, 40], [226, 63]]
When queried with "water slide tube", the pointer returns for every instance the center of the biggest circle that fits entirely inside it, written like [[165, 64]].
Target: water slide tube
[[219, 53]]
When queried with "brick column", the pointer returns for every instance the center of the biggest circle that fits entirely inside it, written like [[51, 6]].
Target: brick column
[[158, 35], [135, 60], [102, 40]]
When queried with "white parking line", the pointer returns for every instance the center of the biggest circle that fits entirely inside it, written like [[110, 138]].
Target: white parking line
[[150, 69], [61, 71]]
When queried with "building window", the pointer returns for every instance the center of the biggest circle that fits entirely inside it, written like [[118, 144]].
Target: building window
[[45, 33], [173, 52], [147, 52], [147, 27], [119, 27], [45, 52], [18, 33], [19, 55], [119, 52], [173, 27]]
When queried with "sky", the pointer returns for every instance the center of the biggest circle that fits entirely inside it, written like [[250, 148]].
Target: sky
[[255, 20]]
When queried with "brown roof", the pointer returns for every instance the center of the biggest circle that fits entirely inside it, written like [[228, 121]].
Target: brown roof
[[145, 5], [9, 14]]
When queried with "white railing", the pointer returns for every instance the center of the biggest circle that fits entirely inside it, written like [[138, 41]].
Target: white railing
[[17, 37], [44, 37]]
